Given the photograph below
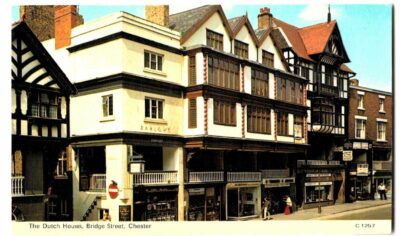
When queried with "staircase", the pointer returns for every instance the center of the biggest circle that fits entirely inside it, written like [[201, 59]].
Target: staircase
[[93, 206]]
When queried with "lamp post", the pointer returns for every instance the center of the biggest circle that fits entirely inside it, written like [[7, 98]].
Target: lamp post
[[319, 198], [135, 166]]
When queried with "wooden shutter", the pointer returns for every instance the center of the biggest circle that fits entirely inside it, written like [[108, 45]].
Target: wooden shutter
[[192, 70], [69, 158], [192, 113], [18, 168]]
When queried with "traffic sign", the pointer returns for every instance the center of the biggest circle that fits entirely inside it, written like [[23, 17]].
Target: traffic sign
[[113, 190]]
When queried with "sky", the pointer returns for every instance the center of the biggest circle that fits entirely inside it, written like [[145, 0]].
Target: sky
[[366, 30]]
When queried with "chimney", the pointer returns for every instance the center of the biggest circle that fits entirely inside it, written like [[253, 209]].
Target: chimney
[[354, 82], [65, 18], [264, 18], [158, 14]]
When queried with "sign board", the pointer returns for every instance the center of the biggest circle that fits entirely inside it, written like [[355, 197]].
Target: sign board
[[113, 191], [338, 149], [348, 155], [298, 131], [360, 145], [125, 213], [196, 191], [362, 169]]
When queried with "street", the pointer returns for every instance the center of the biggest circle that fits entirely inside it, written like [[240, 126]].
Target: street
[[376, 213]]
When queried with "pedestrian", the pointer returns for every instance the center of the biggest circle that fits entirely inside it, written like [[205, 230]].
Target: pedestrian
[[288, 208], [382, 191], [266, 209]]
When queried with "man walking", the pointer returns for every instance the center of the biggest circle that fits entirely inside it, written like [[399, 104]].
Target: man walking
[[382, 190]]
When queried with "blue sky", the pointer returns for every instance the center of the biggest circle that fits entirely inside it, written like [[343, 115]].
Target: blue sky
[[366, 31]]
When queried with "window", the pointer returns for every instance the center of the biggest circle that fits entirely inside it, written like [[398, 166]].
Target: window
[[289, 91], [224, 113], [52, 207], [298, 126], [107, 105], [360, 128], [381, 105], [44, 105], [283, 126], [154, 108], [259, 83], [267, 59], [192, 70], [192, 113], [258, 120], [360, 100], [223, 73], [381, 131], [215, 40], [61, 169], [241, 49], [64, 207], [153, 61]]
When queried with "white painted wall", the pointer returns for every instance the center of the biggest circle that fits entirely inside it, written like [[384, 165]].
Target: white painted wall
[[247, 78], [244, 36], [215, 24], [271, 84], [170, 158], [13, 101], [268, 45]]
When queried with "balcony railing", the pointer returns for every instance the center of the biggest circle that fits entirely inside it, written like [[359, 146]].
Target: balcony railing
[[206, 176], [329, 90], [156, 178], [98, 182], [17, 185], [317, 163], [382, 165], [243, 176], [275, 173]]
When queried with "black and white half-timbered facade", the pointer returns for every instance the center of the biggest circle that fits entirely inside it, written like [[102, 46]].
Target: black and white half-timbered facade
[[317, 53], [41, 177]]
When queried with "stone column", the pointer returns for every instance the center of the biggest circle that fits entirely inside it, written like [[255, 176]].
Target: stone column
[[181, 188]]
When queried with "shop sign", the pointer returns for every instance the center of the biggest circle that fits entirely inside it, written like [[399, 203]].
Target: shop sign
[[360, 145], [317, 183], [338, 149], [318, 175], [125, 213], [362, 169], [196, 191], [348, 155]]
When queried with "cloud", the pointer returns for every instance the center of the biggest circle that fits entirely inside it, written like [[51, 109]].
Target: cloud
[[319, 12]]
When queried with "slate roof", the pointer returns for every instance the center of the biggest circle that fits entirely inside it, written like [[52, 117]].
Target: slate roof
[[184, 21], [235, 22]]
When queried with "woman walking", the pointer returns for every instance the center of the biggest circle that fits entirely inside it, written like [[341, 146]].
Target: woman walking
[[288, 208]]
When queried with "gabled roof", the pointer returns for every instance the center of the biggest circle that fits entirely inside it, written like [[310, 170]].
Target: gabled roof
[[189, 21], [293, 35], [315, 37], [52, 73], [237, 23], [345, 68]]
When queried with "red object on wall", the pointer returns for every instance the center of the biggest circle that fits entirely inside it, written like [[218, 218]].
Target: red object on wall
[[113, 190]]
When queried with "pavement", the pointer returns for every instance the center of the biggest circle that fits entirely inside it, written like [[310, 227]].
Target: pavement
[[329, 211]]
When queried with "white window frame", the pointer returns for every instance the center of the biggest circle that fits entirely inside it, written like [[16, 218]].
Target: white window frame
[[61, 169], [157, 109], [64, 207], [382, 105], [363, 130], [107, 110], [383, 122], [360, 102], [157, 57]]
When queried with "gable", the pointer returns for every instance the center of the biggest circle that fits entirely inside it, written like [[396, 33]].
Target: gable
[[335, 46], [32, 64]]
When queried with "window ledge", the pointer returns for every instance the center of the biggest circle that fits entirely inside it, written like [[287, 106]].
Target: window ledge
[[361, 108], [156, 121], [360, 138], [156, 72], [107, 118], [61, 177], [382, 141], [383, 112]]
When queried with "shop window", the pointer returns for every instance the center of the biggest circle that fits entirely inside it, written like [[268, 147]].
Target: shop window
[[318, 193], [153, 61], [107, 105], [215, 40], [241, 49], [242, 202], [154, 108], [268, 59]]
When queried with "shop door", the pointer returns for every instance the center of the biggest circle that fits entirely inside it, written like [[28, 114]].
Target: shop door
[[233, 203]]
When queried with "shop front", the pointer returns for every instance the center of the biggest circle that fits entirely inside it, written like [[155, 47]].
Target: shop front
[[203, 203], [243, 200], [276, 189], [156, 203], [360, 182]]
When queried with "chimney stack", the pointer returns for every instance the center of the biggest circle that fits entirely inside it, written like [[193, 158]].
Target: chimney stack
[[65, 18], [264, 18], [158, 14], [354, 82]]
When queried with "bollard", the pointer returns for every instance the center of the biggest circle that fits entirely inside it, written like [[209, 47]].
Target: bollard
[[319, 209]]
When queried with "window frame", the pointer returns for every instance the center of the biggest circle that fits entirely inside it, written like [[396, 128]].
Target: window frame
[[360, 101], [282, 124], [192, 70], [156, 107], [241, 49], [383, 124], [258, 119], [214, 40], [192, 113], [62, 165], [224, 112], [107, 106], [382, 105], [158, 65], [223, 72], [267, 58], [259, 79], [44, 105], [362, 132]]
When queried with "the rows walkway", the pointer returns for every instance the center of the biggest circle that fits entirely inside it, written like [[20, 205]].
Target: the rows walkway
[[330, 210]]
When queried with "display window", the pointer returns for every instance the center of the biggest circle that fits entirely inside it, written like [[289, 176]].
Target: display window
[[204, 204], [318, 192], [242, 202], [156, 206]]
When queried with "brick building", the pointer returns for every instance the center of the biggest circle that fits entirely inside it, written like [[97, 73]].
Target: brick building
[[370, 139]]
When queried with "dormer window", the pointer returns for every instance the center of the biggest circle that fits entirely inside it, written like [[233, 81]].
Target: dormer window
[[241, 49], [44, 105], [215, 40], [268, 59]]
